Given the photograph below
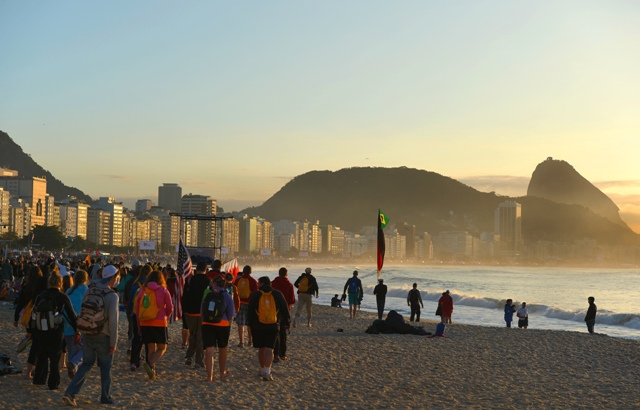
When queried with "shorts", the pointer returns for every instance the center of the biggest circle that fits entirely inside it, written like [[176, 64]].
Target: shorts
[[304, 300], [523, 322], [215, 336], [353, 299], [264, 337], [154, 334], [241, 317]]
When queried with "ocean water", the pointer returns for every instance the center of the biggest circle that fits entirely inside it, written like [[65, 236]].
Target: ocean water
[[556, 297]]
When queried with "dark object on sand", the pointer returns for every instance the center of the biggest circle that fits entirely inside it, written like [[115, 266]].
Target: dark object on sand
[[394, 323]]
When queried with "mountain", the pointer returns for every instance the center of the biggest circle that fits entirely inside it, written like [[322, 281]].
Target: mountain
[[13, 157], [350, 198], [560, 182]]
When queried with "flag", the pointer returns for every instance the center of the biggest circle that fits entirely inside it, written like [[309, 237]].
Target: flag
[[232, 268], [87, 260], [382, 222], [183, 271]]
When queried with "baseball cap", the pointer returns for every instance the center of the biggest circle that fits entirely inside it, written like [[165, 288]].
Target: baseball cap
[[108, 272]]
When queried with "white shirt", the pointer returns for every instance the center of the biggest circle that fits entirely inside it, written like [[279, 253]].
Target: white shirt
[[522, 313]]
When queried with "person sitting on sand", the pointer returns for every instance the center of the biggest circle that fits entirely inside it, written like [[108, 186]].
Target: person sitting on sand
[[307, 287], [336, 301], [509, 310], [523, 316], [354, 288]]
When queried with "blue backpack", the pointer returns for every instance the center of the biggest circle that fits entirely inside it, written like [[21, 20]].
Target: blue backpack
[[353, 285], [440, 329]]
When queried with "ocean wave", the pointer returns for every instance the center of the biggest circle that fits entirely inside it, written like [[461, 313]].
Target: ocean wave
[[629, 320]]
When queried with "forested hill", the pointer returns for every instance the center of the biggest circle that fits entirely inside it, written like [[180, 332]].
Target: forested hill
[[350, 198], [13, 157]]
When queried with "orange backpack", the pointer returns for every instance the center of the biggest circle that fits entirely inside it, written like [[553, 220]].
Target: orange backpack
[[267, 311]]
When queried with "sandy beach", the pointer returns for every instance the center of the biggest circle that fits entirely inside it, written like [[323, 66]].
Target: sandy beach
[[473, 367]]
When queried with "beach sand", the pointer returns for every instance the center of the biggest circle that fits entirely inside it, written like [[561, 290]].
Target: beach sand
[[473, 367]]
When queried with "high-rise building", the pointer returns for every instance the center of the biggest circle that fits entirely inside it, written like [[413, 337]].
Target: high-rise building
[[68, 220], [508, 224], [143, 205], [4, 210], [170, 228], [230, 237], [98, 226], [170, 197], [33, 192], [409, 232], [115, 210], [203, 231]]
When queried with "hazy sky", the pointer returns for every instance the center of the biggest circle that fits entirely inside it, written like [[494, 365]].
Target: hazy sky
[[232, 99]]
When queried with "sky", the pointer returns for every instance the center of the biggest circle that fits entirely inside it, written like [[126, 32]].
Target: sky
[[233, 99]]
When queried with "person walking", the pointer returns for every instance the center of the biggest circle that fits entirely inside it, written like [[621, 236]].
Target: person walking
[[246, 285], [446, 303], [414, 299], [194, 289], [268, 311], [354, 289], [381, 295], [307, 287], [153, 307], [590, 318], [217, 313], [49, 310], [509, 310], [100, 344], [523, 316], [74, 345], [282, 284]]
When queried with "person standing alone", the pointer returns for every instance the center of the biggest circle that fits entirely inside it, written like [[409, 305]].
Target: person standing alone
[[381, 294], [414, 299], [307, 287], [354, 289], [590, 318]]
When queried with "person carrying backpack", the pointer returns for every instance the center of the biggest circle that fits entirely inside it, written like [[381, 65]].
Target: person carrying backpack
[[152, 307], [49, 310], [246, 285], [268, 310], [307, 287], [414, 299], [74, 345], [136, 338], [217, 312], [283, 284], [191, 300], [354, 287], [98, 323]]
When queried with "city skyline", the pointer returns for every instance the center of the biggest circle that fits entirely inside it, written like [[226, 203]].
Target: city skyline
[[234, 100]]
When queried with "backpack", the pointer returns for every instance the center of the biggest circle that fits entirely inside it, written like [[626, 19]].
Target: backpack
[[244, 288], [353, 285], [440, 329], [93, 315], [148, 309], [213, 306], [303, 285], [267, 311], [45, 314]]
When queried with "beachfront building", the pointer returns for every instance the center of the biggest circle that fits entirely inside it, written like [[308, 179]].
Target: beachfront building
[[454, 245], [68, 220], [395, 245], [230, 235], [332, 240], [19, 217], [170, 197], [424, 247], [170, 228], [143, 205], [4, 210], [81, 211], [115, 210], [409, 232], [315, 238], [32, 191], [508, 224], [357, 244], [51, 212], [203, 231], [98, 226], [146, 228]]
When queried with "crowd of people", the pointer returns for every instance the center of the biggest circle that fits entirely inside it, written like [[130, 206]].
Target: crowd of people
[[70, 311]]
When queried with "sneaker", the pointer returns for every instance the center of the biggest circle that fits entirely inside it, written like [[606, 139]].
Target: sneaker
[[284, 358], [150, 371], [266, 377], [133, 368], [69, 401], [24, 343], [188, 362]]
